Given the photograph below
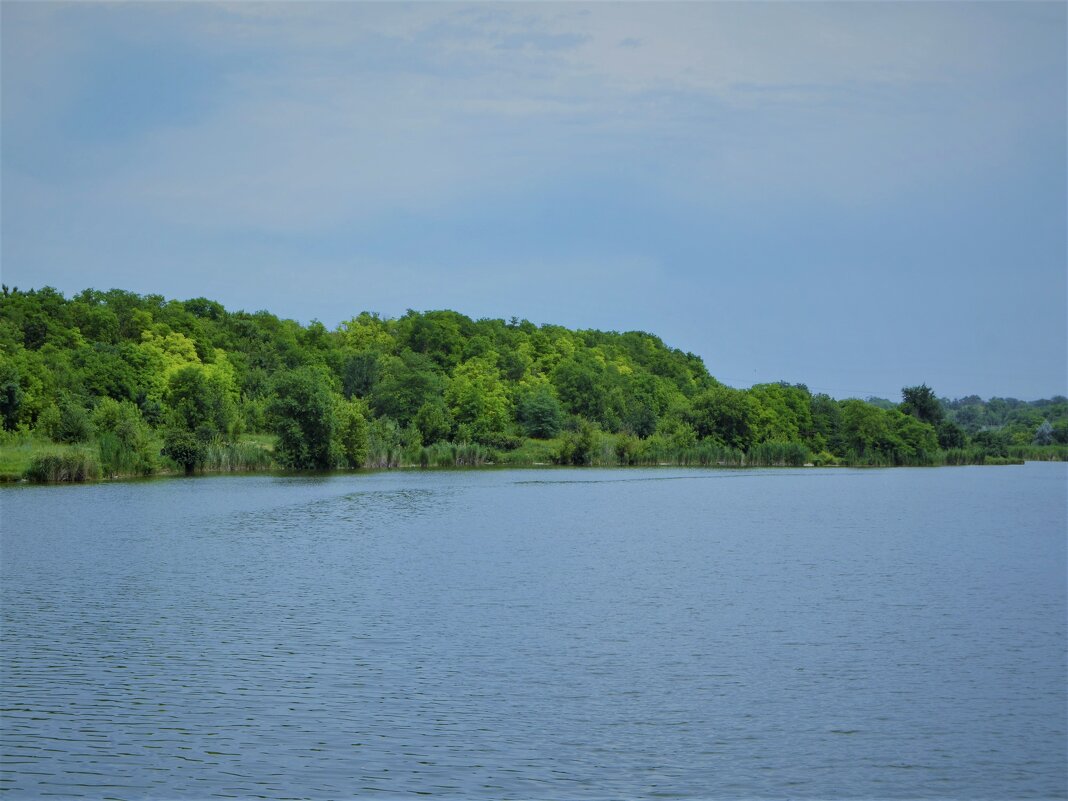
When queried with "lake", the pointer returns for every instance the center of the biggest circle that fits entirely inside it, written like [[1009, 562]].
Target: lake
[[550, 634]]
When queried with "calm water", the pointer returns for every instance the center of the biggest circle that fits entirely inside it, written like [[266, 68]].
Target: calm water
[[554, 634]]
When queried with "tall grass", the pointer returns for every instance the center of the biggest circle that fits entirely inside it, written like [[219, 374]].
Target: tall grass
[[237, 457], [451, 454], [119, 458], [76, 464], [777, 454], [1039, 453]]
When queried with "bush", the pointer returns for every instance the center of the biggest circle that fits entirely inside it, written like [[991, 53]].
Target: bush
[[824, 459], [124, 438], [185, 448], [66, 422], [577, 447]]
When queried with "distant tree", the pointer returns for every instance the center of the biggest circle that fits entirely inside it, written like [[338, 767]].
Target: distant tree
[[581, 384], [922, 403], [865, 430], [992, 443], [880, 403], [359, 374], [951, 435], [1044, 434], [724, 415], [406, 383]]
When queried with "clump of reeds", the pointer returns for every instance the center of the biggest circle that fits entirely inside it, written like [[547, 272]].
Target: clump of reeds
[[73, 465]]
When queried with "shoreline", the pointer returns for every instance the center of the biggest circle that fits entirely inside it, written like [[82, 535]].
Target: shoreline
[[164, 475]]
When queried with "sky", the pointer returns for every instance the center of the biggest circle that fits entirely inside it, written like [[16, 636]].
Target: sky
[[856, 196]]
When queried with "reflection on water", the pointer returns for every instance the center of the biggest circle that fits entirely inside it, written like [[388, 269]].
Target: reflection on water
[[551, 634]]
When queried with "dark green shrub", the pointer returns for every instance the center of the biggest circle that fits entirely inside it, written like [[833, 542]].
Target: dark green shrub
[[185, 448]]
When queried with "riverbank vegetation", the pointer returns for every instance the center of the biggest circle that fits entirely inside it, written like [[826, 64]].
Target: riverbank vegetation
[[109, 384]]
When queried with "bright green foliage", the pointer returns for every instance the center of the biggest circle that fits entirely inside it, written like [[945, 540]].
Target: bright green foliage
[[434, 421], [865, 430], [578, 447], [439, 335], [783, 413], [438, 387], [126, 444], [351, 432], [478, 401], [826, 417], [726, 416], [916, 442], [201, 400], [303, 415]]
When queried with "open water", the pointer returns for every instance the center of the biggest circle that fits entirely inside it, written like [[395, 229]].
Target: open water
[[543, 634]]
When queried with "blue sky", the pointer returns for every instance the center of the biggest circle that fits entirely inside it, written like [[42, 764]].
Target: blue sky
[[855, 196]]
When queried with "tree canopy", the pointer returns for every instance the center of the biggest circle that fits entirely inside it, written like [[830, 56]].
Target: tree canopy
[[192, 373]]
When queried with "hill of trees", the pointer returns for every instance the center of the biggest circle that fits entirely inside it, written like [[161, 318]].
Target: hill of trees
[[141, 383]]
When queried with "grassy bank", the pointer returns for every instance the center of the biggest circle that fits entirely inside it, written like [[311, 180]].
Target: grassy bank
[[32, 458]]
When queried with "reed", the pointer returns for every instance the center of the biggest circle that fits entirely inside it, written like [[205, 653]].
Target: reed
[[74, 465], [237, 457]]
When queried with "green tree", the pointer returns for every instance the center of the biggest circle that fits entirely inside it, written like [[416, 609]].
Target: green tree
[[185, 448], [124, 438], [577, 447], [11, 394], [725, 416], [433, 421], [406, 383], [865, 430], [199, 400], [1044, 434], [538, 412], [478, 400], [951, 435], [303, 415], [922, 403], [581, 384], [351, 432], [359, 374], [66, 422]]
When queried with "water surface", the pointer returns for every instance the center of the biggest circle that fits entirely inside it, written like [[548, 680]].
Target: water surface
[[553, 634]]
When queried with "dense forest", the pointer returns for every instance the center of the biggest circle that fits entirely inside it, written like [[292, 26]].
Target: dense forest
[[114, 383]]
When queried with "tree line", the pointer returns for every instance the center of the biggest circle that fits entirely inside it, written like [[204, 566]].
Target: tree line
[[148, 383]]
